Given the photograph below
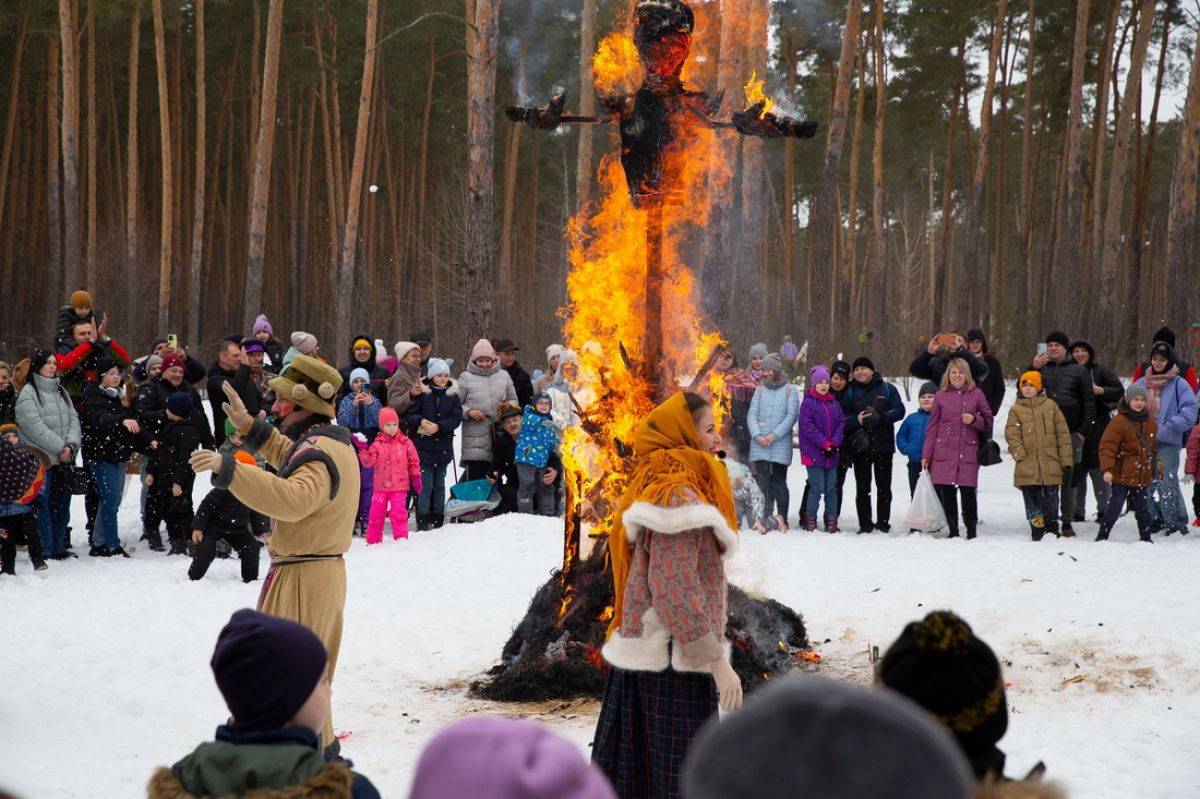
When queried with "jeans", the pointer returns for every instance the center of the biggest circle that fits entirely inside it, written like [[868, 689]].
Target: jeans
[[432, 498], [970, 509], [1041, 500], [532, 487], [1168, 504], [110, 483], [914, 474], [772, 481], [1142, 510], [879, 463], [822, 482], [53, 517]]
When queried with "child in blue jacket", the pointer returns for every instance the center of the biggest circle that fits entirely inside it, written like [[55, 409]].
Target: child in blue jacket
[[911, 438], [538, 440]]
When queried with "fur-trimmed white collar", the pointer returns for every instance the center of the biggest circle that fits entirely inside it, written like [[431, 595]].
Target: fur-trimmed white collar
[[646, 515]]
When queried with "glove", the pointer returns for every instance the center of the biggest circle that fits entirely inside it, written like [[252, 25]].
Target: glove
[[414, 486], [360, 441], [235, 409], [729, 685], [205, 460], [870, 420]]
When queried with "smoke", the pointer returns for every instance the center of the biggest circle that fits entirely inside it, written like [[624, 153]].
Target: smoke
[[814, 23]]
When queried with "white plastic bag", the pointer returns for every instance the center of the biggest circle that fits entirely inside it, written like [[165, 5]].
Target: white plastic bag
[[925, 513]]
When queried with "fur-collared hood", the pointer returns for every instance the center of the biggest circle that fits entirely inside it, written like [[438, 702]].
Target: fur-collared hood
[[451, 387], [332, 782]]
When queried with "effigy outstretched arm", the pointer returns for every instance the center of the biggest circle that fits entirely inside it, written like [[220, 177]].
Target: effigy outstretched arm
[[550, 116]]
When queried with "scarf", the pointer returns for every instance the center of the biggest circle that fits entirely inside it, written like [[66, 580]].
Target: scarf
[[1156, 382], [776, 384], [668, 455]]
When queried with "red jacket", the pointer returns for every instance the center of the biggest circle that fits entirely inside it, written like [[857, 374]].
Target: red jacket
[[1192, 466]]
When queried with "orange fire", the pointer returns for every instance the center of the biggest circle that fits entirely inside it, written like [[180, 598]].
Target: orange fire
[[755, 94], [606, 614], [616, 70]]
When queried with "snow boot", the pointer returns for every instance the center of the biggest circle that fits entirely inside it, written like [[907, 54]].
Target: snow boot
[[8, 568], [154, 537], [1105, 529], [98, 551], [883, 527], [971, 529], [118, 552], [953, 532], [808, 523], [1144, 535], [178, 547], [1037, 526], [437, 520], [39, 565], [422, 522], [1052, 527], [831, 524], [1067, 530]]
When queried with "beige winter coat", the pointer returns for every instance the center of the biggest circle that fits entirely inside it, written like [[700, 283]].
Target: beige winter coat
[[1039, 441]]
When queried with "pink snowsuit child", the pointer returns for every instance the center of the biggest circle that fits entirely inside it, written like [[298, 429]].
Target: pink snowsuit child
[[397, 471]]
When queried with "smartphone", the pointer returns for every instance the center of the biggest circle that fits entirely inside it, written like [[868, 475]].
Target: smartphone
[[173, 340], [1041, 348]]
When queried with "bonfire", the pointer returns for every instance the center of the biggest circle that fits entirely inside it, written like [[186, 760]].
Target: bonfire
[[631, 292]]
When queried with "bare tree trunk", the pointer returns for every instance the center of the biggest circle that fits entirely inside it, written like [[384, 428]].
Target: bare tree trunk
[[479, 271], [584, 171], [1025, 215], [1181, 246], [826, 211], [194, 305], [132, 210], [853, 287], [54, 189], [941, 257], [346, 279], [876, 269], [1114, 227], [263, 151], [89, 279], [973, 263], [423, 159], [754, 179], [168, 185], [13, 96], [1068, 250], [70, 141], [1093, 218], [787, 292]]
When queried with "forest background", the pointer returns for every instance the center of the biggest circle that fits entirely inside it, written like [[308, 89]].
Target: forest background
[[1022, 166]]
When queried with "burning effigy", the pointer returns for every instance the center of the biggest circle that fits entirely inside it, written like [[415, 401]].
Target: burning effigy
[[633, 318]]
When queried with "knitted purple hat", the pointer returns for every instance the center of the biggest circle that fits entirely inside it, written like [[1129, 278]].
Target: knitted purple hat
[[262, 325], [818, 373]]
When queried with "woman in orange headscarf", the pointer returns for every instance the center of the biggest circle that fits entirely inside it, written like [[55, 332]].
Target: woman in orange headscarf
[[666, 643]]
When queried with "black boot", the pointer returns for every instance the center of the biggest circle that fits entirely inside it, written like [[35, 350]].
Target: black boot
[[1105, 529], [178, 547], [422, 522], [1144, 535], [971, 525], [953, 533], [1037, 527], [438, 520], [155, 539], [1052, 527]]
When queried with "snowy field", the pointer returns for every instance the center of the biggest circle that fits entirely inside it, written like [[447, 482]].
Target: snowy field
[[105, 675]]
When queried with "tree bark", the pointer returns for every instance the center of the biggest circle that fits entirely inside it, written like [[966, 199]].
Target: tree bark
[[584, 170], [1181, 246], [54, 186], [941, 257], [132, 174], [751, 247], [89, 279], [876, 268], [168, 185], [479, 271], [198, 201], [826, 210], [853, 290], [70, 142], [1068, 250], [1114, 226], [264, 149], [14, 95], [346, 282]]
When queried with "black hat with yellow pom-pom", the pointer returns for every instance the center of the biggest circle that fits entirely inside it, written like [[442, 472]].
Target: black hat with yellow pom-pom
[[940, 664]]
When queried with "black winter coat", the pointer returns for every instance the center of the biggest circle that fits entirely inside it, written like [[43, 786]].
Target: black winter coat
[[992, 385], [221, 513], [378, 374], [193, 370], [522, 382], [169, 460], [1105, 405], [242, 384], [1070, 386], [442, 406], [884, 399], [8, 405], [105, 439], [927, 366], [151, 407]]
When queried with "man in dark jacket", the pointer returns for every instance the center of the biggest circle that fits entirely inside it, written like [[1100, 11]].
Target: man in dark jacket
[[872, 408], [507, 351], [1108, 391], [1070, 386], [230, 368], [362, 356], [151, 401], [992, 385], [931, 364]]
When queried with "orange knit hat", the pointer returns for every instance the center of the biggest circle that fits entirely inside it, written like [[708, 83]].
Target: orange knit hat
[[1032, 378]]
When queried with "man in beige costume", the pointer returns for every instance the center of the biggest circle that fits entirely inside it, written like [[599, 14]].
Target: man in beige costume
[[313, 499]]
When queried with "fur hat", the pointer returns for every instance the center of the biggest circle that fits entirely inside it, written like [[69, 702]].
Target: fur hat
[[266, 668], [403, 348], [262, 325], [759, 350], [1032, 378], [305, 343], [180, 404], [1135, 390], [309, 383], [105, 364], [1166, 336], [554, 351], [81, 299], [359, 374], [863, 360], [940, 664], [388, 415], [818, 373], [438, 366], [482, 349], [1058, 337], [928, 387], [773, 362], [811, 736], [840, 368], [171, 361], [505, 759]]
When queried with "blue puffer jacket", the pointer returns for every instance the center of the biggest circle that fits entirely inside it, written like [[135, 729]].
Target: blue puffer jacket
[[538, 438], [773, 413], [911, 438], [885, 400], [1176, 411], [360, 418]]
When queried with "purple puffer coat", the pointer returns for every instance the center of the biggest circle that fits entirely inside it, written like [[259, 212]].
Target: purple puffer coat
[[821, 421], [951, 447]]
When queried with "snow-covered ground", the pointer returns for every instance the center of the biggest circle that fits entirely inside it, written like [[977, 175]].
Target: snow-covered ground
[[104, 663]]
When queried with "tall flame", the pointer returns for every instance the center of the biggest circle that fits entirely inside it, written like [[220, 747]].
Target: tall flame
[[755, 94], [616, 70]]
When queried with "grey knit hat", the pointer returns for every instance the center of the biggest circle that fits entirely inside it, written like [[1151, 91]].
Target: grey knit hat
[[810, 736], [1135, 390], [773, 361], [928, 387], [758, 350]]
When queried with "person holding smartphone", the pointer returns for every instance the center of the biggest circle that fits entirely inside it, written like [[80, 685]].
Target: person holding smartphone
[[1069, 385]]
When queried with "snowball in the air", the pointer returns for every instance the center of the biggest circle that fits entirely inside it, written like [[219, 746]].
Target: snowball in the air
[[373, 188]]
